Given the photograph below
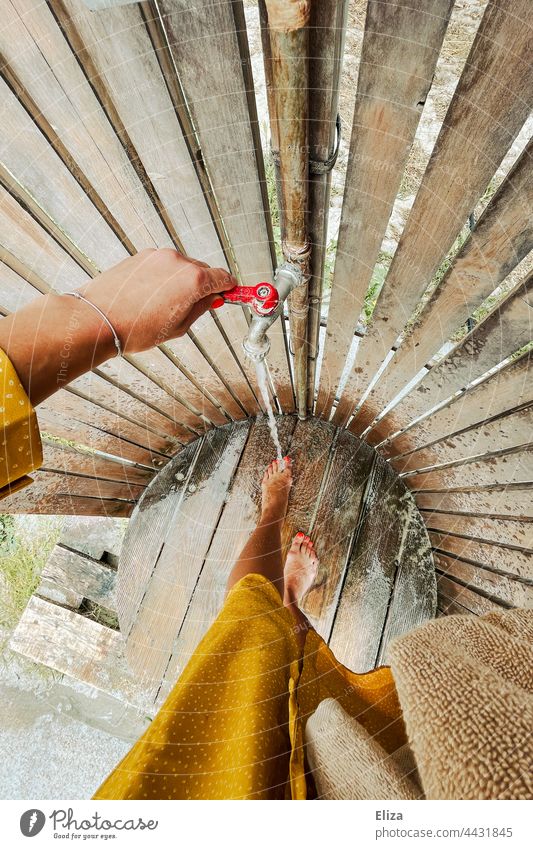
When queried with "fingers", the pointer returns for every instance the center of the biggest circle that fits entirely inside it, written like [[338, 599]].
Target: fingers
[[219, 279]]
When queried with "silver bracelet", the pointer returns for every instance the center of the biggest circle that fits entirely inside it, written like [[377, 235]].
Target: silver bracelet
[[118, 346]]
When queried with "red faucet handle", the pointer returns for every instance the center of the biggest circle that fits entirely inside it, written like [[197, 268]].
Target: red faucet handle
[[263, 298]]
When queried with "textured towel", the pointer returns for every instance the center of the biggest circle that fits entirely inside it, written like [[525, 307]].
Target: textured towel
[[465, 685]]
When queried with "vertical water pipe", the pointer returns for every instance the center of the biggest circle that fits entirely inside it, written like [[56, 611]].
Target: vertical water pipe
[[286, 68]]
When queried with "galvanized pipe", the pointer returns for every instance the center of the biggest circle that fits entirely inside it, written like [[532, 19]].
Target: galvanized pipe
[[287, 72]]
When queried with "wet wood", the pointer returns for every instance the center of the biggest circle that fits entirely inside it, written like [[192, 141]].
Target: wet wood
[[335, 526], [497, 587], [493, 502], [513, 467], [504, 331], [181, 555], [506, 389], [456, 598], [238, 519], [387, 111], [491, 102], [483, 529], [58, 494], [71, 571], [379, 550], [501, 239], [506, 561]]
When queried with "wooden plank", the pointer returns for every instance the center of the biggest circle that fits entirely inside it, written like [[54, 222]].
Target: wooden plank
[[482, 528], [513, 467], [153, 518], [414, 595], [502, 238], [503, 502], [50, 83], [335, 525], [228, 133], [238, 519], [506, 329], [365, 598], [449, 590], [495, 558], [58, 494], [66, 421], [74, 645], [29, 157], [504, 433], [490, 104], [68, 570], [310, 451], [63, 458], [504, 390], [387, 112], [499, 587], [115, 49], [164, 605]]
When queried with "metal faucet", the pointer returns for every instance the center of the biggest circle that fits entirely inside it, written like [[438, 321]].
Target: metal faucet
[[257, 344]]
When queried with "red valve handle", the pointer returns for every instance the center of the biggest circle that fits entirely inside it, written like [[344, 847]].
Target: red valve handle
[[263, 298]]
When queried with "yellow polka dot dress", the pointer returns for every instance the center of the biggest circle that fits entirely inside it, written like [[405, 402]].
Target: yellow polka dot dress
[[20, 444], [232, 727]]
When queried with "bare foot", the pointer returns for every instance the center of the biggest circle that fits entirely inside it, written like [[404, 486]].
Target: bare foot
[[275, 486], [300, 569]]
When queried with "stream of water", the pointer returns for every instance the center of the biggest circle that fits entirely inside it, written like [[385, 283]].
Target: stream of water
[[262, 380]]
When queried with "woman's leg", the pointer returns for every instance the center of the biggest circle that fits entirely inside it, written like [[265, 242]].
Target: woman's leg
[[262, 553]]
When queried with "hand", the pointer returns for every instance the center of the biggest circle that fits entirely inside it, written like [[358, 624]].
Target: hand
[[156, 295]]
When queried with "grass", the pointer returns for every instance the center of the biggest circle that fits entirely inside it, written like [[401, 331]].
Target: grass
[[22, 559]]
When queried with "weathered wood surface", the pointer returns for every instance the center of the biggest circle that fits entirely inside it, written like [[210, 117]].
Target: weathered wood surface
[[379, 550], [490, 104], [507, 502], [495, 558], [494, 585], [387, 111], [174, 566], [504, 331], [68, 571], [482, 529], [506, 389], [450, 594], [503, 468], [76, 646], [501, 239], [228, 132]]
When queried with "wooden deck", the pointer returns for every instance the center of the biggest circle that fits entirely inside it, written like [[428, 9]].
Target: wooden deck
[[376, 579]]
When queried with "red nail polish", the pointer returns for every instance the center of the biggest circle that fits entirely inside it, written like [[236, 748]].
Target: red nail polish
[[218, 302], [287, 458], [299, 534]]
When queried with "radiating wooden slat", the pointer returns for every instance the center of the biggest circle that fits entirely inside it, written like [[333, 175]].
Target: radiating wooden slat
[[49, 81], [498, 502], [229, 137], [495, 558], [451, 593], [494, 469], [63, 458], [241, 513], [507, 328], [57, 493], [482, 529], [502, 237], [179, 561], [327, 26], [502, 391], [370, 575], [335, 525], [392, 88], [491, 102], [499, 587], [503, 433]]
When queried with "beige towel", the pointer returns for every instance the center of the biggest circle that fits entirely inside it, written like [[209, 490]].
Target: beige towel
[[347, 763], [465, 685]]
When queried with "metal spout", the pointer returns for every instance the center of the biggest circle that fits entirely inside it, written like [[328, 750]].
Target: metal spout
[[257, 344]]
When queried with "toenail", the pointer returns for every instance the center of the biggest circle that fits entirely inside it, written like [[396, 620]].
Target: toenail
[[300, 535]]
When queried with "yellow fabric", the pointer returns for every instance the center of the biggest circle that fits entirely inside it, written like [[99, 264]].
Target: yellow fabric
[[232, 727], [20, 444]]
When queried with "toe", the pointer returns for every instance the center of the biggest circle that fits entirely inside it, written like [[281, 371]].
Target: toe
[[297, 541]]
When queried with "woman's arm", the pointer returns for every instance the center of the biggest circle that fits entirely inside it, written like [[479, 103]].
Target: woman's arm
[[148, 298]]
